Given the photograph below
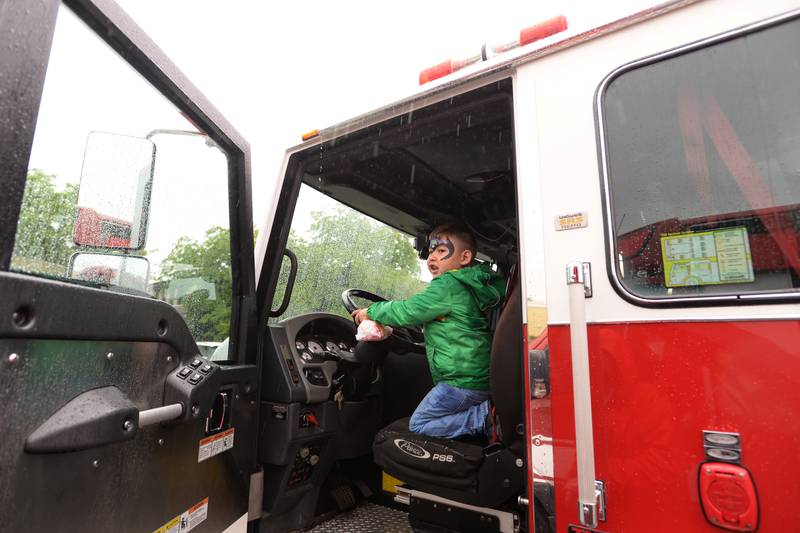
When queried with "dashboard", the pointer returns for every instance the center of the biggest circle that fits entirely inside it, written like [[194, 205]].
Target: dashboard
[[308, 351], [317, 349]]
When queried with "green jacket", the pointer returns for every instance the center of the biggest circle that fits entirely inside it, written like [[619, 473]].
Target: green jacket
[[450, 309]]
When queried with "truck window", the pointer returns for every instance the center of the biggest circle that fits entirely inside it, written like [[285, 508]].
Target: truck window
[[702, 156], [339, 248], [96, 114]]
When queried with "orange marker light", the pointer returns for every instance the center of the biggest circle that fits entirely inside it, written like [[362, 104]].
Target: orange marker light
[[437, 71], [310, 135], [526, 36], [542, 30]]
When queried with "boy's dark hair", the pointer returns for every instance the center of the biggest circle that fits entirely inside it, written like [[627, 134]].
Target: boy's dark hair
[[460, 231]]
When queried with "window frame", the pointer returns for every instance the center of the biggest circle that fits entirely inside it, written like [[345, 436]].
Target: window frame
[[26, 73], [612, 268]]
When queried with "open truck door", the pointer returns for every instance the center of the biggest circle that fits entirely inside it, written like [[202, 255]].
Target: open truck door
[[114, 420]]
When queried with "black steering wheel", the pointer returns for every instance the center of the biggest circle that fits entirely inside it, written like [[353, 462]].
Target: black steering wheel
[[408, 338]]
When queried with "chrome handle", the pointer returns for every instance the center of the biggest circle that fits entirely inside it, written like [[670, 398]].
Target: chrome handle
[[148, 417], [588, 501]]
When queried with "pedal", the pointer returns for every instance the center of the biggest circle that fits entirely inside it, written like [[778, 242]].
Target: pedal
[[344, 497]]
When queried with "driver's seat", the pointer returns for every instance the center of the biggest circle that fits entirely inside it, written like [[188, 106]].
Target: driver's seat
[[472, 470]]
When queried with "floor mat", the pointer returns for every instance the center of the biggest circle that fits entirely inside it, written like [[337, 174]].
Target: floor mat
[[366, 518]]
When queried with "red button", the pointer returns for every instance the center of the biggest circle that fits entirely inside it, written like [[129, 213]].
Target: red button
[[729, 496]]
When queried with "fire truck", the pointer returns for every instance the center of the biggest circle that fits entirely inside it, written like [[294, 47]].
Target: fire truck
[[637, 184]]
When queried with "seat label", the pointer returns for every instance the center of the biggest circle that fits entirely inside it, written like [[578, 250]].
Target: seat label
[[412, 449]]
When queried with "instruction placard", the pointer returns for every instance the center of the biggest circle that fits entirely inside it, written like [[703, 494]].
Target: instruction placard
[[707, 258], [572, 221], [215, 445], [187, 520]]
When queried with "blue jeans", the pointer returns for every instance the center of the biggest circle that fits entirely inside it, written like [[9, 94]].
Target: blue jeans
[[450, 412]]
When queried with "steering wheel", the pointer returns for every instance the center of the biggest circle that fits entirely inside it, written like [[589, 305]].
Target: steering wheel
[[408, 339]]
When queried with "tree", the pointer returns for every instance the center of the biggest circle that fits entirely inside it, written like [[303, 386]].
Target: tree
[[196, 278], [344, 249], [44, 232]]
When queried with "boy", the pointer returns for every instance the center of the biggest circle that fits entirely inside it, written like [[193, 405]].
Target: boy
[[457, 336]]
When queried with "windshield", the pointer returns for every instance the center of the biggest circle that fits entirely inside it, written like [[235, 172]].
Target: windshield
[[339, 248]]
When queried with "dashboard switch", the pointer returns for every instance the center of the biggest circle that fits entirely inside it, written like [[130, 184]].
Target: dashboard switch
[[184, 372], [195, 363]]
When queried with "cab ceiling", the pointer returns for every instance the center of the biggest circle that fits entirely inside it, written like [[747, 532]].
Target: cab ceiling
[[450, 161]]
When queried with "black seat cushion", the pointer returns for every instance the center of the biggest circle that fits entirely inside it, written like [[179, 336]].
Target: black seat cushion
[[414, 457]]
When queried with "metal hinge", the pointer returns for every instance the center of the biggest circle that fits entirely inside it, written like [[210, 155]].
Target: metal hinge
[[591, 513]]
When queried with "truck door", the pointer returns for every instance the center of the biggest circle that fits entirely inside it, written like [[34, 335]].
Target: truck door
[[673, 372], [127, 365]]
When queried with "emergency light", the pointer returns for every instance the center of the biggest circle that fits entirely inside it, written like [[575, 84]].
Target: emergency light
[[526, 36]]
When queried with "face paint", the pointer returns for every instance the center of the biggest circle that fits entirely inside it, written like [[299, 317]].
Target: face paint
[[435, 242]]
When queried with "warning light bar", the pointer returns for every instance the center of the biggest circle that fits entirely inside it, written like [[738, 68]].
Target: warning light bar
[[526, 36]]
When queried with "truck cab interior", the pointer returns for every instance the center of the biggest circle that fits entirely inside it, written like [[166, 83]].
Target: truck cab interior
[[361, 204]]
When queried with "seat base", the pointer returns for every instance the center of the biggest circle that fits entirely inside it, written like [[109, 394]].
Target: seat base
[[429, 512], [461, 471]]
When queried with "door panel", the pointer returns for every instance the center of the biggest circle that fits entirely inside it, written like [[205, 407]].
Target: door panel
[[655, 388], [62, 335]]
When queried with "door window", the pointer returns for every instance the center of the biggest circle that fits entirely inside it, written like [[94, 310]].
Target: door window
[[703, 169], [123, 193]]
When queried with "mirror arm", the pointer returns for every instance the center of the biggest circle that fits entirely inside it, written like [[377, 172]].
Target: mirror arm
[[289, 284]]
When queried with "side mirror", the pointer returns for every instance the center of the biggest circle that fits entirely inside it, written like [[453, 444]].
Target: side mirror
[[421, 245], [125, 271], [114, 195]]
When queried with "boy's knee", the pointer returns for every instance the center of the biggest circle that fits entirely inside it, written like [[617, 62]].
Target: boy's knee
[[417, 422]]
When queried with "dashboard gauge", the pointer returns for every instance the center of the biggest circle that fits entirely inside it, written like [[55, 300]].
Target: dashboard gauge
[[331, 346], [299, 345], [315, 347]]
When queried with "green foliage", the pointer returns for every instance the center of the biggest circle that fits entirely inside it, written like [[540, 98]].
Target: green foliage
[[345, 249], [44, 232], [196, 278]]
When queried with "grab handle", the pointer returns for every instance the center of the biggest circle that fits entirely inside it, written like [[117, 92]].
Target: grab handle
[[589, 497]]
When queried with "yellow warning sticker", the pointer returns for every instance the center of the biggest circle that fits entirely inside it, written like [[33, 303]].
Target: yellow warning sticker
[[390, 483], [188, 520], [173, 526], [572, 221], [707, 258]]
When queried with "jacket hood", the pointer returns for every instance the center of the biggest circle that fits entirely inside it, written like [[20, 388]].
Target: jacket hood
[[487, 287]]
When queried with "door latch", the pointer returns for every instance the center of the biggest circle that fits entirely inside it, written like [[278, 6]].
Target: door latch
[[580, 273]]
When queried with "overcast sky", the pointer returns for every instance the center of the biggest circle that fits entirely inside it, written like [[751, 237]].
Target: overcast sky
[[278, 69]]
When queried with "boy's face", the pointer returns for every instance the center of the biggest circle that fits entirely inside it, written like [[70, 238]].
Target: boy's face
[[446, 253]]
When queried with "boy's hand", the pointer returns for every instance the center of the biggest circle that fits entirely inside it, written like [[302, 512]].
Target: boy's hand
[[359, 315]]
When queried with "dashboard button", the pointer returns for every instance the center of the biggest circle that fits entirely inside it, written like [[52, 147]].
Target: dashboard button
[[195, 363], [206, 368], [195, 379], [184, 372]]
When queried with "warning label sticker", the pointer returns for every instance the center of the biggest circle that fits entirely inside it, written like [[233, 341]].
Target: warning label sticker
[[707, 258], [572, 221], [188, 520], [215, 445]]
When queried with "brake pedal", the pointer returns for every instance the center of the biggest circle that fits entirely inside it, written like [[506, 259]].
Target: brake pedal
[[344, 497]]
